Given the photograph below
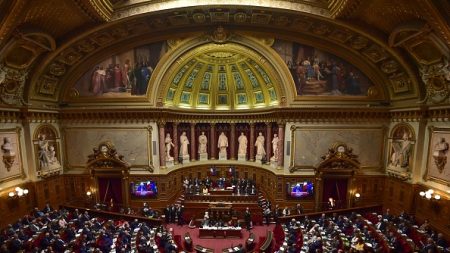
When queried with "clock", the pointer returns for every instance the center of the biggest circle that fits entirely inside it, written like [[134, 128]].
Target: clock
[[340, 149]]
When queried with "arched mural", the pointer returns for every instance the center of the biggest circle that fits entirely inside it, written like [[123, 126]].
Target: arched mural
[[316, 72], [126, 74]]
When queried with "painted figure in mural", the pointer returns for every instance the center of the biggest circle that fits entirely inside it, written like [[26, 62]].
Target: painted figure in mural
[[242, 150], [402, 151], [109, 79], [202, 143], [141, 74], [275, 141], [126, 74], [222, 143], [98, 83], [259, 144], [184, 142], [169, 145], [118, 78]]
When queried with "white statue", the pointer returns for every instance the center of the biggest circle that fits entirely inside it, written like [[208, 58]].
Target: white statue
[[202, 144], [169, 145], [184, 142], [275, 141], [402, 150], [242, 150], [259, 144], [47, 154], [222, 143], [42, 153], [7, 147]]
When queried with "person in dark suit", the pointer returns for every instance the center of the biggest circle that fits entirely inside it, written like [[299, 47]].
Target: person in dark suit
[[441, 241], [173, 213], [248, 218], [276, 213], [267, 215], [430, 247], [167, 214]]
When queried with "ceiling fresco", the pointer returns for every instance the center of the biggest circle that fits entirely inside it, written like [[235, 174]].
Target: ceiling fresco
[[123, 75], [403, 60]]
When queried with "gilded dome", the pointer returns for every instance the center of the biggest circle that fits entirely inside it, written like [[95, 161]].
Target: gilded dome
[[221, 77]]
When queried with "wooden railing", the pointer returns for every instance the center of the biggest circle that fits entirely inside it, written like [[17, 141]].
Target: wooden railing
[[366, 209], [114, 215]]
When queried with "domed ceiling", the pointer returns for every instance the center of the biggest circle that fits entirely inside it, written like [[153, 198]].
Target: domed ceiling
[[221, 77]]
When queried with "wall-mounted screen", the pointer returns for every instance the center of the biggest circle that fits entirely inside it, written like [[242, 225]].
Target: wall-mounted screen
[[301, 190], [144, 189]]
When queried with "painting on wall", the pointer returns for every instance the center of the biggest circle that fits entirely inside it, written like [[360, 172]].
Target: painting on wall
[[316, 72], [438, 166], [122, 75], [11, 164]]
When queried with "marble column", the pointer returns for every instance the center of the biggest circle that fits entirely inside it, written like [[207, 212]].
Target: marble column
[[213, 141], [232, 141], [281, 144], [252, 142], [175, 140], [269, 140], [193, 154], [162, 146]]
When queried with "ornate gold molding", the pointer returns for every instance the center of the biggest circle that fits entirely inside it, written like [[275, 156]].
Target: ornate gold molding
[[384, 64]]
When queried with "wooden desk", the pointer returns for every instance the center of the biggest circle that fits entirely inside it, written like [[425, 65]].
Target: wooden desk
[[266, 245], [221, 192], [211, 232], [199, 248], [232, 249]]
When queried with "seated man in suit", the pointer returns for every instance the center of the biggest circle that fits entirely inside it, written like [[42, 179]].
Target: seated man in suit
[[430, 247]]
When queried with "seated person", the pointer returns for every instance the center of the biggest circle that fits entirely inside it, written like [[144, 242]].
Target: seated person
[[205, 191]]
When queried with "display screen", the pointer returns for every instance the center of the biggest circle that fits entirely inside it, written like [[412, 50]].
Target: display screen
[[144, 189], [301, 190]]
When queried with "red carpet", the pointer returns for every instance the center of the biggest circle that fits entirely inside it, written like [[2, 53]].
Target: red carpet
[[220, 243]]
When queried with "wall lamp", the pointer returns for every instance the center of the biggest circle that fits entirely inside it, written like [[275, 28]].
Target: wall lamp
[[357, 195], [429, 195], [18, 192]]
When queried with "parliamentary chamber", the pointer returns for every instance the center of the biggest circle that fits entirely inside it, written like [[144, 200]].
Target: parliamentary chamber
[[119, 101]]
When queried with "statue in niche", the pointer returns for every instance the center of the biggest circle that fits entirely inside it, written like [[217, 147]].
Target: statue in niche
[[242, 150], [46, 154], [222, 144], [169, 145], [259, 144], [402, 151], [184, 142], [8, 153], [202, 143], [275, 142]]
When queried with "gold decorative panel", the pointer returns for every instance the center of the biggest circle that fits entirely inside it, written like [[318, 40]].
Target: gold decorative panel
[[220, 76]]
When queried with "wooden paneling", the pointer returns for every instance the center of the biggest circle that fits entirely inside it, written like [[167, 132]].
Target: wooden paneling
[[12, 209], [437, 212], [392, 193], [50, 190], [398, 196], [371, 189]]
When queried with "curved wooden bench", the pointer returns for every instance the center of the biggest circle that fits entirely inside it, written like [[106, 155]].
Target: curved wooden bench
[[265, 247]]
